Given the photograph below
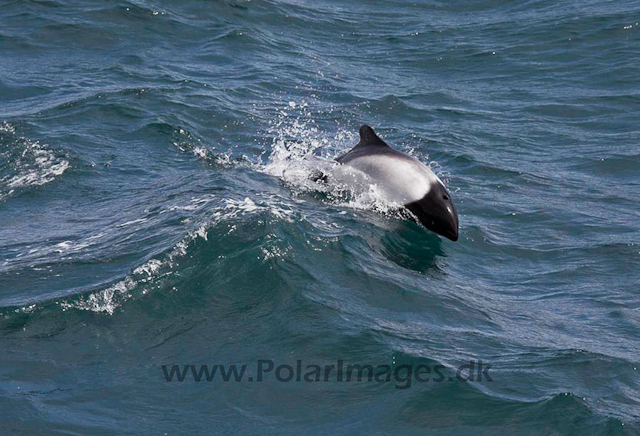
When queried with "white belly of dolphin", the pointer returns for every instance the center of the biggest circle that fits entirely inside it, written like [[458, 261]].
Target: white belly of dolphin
[[402, 180]]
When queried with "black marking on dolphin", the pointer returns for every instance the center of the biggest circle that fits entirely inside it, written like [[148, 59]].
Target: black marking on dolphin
[[405, 180]]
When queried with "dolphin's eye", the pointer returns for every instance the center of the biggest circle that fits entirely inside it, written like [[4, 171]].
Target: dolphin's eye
[[445, 196]]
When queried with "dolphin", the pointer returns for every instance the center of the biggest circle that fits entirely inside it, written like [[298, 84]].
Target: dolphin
[[402, 179]]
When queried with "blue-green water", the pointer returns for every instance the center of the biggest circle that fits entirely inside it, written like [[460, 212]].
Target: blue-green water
[[155, 209]]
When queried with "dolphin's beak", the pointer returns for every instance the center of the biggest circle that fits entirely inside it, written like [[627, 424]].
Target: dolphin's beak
[[437, 212]]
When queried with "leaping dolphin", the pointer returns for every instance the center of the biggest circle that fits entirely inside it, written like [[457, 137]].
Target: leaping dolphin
[[404, 180]]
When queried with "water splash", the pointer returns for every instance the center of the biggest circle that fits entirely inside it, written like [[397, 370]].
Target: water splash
[[301, 152], [187, 142], [25, 163]]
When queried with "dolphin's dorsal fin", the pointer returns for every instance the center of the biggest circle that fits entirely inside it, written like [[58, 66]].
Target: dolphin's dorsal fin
[[369, 143], [368, 138]]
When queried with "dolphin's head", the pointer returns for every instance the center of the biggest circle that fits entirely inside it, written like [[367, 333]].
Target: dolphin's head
[[436, 211]]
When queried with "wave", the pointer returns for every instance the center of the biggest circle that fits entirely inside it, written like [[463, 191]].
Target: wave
[[153, 271], [298, 149]]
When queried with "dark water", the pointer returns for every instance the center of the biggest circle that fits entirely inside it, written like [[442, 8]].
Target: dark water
[[155, 209]]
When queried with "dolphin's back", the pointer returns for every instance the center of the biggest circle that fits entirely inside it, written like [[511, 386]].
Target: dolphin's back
[[370, 143]]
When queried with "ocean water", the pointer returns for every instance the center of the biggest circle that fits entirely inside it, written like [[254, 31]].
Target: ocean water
[[156, 209]]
